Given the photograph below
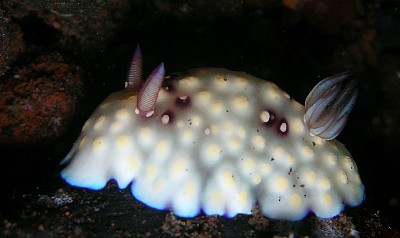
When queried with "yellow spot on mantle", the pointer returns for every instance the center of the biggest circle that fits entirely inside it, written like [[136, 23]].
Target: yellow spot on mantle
[[249, 164], [189, 82], [347, 163], [295, 200], [281, 184], [297, 125], [310, 177], [115, 126], [83, 141], [331, 158], [161, 147], [325, 183], [290, 159], [318, 140], [229, 127], [240, 82], [307, 151], [187, 135], [243, 198], [151, 171], [327, 199], [195, 121], [217, 106], [145, 133], [234, 145], [220, 82], [98, 143], [240, 102], [228, 178], [122, 141], [189, 189], [241, 132], [133, 163], [258, 142], [122, 114], [265, 168], [179, 167], [99, 122], [256, 179], [272, 93], [342, 177], [204, 96], [213, 150], [278, 152]]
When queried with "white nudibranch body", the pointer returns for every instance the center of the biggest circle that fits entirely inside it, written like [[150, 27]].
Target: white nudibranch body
[[218, 142]]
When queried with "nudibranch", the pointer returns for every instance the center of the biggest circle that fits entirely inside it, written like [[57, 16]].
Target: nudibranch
[[218, 142]]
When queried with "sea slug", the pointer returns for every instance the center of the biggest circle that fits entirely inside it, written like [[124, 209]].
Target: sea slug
[[217, 141]]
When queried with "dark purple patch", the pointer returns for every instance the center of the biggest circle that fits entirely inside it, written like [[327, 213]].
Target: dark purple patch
[[281, 129], [182, 101], [271, 120], [170, 115], [169, 87], [277, 122]]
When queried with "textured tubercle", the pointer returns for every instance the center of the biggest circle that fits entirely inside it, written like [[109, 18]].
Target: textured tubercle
[[329, 104], [149, 92], [134, 79]]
